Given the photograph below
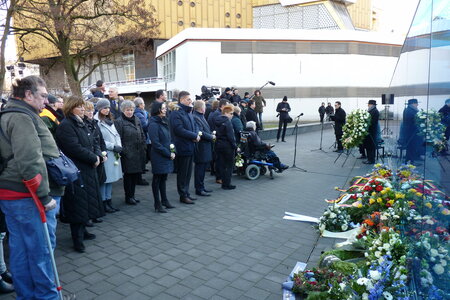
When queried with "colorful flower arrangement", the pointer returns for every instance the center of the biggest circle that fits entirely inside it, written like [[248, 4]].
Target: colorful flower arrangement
[[403, 234], [355, 128], [431, 128]]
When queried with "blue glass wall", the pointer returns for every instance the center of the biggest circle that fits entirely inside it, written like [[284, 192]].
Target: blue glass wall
[[423, 73]]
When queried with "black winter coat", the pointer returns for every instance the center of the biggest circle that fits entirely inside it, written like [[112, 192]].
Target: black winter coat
[[255, 142], [82, 200], [322, 110], [373, 127], [225, 134], [203, 150], [339, 121], [284, 114], [183, 130], [158, 130], [133, 144], [250, 115], [99, 146], [212, 118]]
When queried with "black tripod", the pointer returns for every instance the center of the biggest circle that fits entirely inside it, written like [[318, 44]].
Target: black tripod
[[295, 147], [321, 138]]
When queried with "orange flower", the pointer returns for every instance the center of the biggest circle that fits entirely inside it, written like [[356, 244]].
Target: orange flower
[[369, 222]]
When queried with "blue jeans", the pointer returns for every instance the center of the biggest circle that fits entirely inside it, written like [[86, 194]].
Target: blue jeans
[[30, 262], [106, 191]]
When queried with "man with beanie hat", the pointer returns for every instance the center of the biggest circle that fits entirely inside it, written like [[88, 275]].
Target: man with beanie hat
[[371, 138], [49, 114]]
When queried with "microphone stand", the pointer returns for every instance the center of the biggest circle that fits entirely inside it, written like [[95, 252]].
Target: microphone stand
[[321, 138], [295, 147]]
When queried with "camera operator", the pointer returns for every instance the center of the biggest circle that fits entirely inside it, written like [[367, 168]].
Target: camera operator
[[235, 99]]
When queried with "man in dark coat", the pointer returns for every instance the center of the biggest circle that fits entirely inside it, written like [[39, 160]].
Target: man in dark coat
[[235, 98], [370, 143], [445, 112], [114, 101], [409, 132], [283, 109], [203, 150], [227, 94], [251, 115], [99, 91], [329, 110], [339, 122], [185, 135], [213, 115], [322, 111]]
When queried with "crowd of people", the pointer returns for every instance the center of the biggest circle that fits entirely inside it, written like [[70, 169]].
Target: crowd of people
[[108, 139]]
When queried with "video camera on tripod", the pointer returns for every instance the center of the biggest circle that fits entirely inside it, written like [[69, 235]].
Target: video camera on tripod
[[208, 93]]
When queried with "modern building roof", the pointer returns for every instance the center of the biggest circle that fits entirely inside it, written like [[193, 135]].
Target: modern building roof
[[281, 35]]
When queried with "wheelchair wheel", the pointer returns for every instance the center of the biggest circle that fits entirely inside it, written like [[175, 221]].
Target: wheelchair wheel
[[263, 170], [252, 172]]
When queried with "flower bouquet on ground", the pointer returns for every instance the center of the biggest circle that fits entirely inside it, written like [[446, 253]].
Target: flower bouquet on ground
[[334, 219], [355, 129], [320, 284], [431, 128]]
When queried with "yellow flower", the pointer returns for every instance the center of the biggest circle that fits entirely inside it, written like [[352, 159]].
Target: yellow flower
[[419, 194], [440, 205], [391, 202], [428, 204], [360, 205], [379, 200], [383, 191], [412, 190], [387, 189], [359, 199], [371, 201], [399, 195], [446, 212], [410, 203]]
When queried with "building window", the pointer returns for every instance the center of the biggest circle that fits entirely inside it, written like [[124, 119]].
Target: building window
[[168, 66], [129, 65]]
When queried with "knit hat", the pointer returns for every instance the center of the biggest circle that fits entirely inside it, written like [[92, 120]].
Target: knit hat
[[102, 103], [52, 99]]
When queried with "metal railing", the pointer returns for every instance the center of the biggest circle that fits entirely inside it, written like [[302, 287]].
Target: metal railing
[[139, 81]]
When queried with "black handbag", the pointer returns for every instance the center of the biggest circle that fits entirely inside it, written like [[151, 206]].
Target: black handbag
[[289, 119], [62, 170]]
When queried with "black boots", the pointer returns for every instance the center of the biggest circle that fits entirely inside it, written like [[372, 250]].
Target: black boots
[[5, 287], [107, 204]]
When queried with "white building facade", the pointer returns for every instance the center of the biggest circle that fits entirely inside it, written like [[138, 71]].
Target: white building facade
[[308, 66]]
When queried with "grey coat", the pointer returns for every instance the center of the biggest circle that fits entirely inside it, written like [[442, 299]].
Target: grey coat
[[112, 138]]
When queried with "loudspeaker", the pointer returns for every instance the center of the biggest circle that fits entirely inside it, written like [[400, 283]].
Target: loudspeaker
[[387, 100]]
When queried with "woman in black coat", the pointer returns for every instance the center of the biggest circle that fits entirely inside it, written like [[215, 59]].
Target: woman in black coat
[[82, 200], [225, 145], [283, 110], [133, 149], [161, 155]]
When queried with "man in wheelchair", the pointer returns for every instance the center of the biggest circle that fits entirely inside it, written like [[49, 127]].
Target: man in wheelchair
[[260, 150]]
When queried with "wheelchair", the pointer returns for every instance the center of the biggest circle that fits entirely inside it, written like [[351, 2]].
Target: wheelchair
[[254, 163]]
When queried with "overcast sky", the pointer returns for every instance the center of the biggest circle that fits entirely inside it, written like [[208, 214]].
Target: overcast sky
[[395, 16]]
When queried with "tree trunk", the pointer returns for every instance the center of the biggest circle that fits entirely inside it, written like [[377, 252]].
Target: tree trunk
[[8, 18], [69, 68]]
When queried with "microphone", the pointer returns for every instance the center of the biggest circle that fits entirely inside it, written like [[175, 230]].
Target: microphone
[[272, 83], [299, 115]]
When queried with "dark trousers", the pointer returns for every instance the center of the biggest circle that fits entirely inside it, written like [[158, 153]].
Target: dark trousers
[[199, 176], [281, 123], [260, 120], [339, 135], [129, 184], [77, 231], [159, 187], [369, 145], [217, 166], [184, 175], [362, 150], [226, 159], [321, 117]]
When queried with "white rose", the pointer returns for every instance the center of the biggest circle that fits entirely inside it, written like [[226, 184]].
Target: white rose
[[387, 296], [433, 252], [344, 227], [403, 277], [438, 269], [375, 275], [365, 296], [377, 254], [362, 281]]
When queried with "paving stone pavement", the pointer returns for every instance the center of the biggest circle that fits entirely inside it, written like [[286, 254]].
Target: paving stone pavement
[[233, 245]]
